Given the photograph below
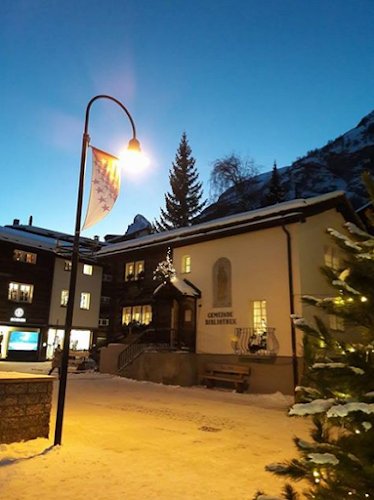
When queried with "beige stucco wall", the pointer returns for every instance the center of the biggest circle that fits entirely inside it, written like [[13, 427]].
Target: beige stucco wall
[[85, 283], [311, 247], [259, 272]]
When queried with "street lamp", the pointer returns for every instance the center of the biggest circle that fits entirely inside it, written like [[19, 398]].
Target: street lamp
[[135, 147]]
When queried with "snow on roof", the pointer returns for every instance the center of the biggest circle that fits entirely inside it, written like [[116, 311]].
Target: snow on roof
[[277, 211], [27, 239], [182, 286]]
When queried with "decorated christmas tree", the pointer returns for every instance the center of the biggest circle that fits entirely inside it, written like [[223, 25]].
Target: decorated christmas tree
[[165, 270], [337, 391]]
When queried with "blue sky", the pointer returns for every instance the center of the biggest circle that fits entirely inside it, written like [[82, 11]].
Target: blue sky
[[270, 79]]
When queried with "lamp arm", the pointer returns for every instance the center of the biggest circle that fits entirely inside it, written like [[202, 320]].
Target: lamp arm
[[103, 96]]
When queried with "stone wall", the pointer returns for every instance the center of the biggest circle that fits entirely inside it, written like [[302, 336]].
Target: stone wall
[[25, 406]]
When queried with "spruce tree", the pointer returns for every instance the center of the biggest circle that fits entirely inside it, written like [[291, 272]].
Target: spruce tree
[[276, 191], [183, 203], [338, 386]]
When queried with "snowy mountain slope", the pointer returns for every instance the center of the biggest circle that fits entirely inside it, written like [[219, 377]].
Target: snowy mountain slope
[[336, 166]]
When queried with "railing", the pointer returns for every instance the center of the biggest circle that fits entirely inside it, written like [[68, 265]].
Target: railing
[[255, 341], [150, 339]]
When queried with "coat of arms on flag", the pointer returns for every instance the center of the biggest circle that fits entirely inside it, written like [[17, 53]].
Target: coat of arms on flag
[[105, 185]]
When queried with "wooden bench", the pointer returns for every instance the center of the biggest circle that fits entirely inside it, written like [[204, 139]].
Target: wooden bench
[[236, 374]]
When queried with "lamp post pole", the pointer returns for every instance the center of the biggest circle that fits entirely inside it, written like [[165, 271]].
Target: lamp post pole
[[133, 144]]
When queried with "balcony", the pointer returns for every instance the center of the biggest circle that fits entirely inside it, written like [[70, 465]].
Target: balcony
[[256, 342]]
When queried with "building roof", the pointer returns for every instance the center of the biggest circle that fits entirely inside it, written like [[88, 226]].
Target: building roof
[[184, 287], [282, 213], [27, 239]]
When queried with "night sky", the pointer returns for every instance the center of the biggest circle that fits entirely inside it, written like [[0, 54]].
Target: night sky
[[270, 79]]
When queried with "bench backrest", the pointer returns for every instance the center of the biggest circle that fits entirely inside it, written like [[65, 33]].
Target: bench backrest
[[221, 368]]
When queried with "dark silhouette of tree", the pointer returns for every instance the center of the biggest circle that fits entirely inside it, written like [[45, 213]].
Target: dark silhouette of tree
[[183, 203], [276, 190], [232, 171]]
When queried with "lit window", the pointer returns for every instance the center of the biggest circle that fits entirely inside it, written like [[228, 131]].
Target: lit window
[[186, 264], [336, 323], [22, 256], [129, 271], [87, 269], [20, 292], [332, 258], [146, 315], [64, 298], [137, 314], [259, 316], [85, 300], [126, 315], [139, 269], [67, 265]]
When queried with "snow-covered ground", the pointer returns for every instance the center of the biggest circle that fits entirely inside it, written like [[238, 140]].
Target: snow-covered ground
[[130, 440]]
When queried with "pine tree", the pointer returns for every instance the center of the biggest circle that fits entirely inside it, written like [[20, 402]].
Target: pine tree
[[276, 191], [184, 201], [338, 387]]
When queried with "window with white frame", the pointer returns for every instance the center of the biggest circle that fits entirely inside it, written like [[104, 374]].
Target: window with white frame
[[22, 256], [87, 269], [20, 292], [146, 315], [332, 258], [137, 314], [85, 300], [107, 277], [126, 315], [129, 271], [186, 264], [139, 269], [67, 265], [103, 322], [259, 316], [336, 323], [64, 298]]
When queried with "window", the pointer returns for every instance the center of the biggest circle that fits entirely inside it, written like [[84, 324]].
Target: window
[[21, 256], [186, 264], [146, 315], [139, 269], [67, 265], [134, 270], [103, 322], [105, 300], [137, 314], [259, 316], [87, 269], [126, 315], [129, 271], [336, 323], [107, 277], [64, 298], [332, 258], [20, 292], [188, 316], [85, 300]]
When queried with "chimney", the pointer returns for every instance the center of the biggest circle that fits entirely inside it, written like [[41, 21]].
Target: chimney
[[96, 238], [30, 220], [15, 222]]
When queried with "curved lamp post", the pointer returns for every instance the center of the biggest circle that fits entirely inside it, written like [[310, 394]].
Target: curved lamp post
[[133, 146]]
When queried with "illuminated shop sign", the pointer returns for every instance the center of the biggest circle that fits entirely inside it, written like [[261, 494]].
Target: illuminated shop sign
[[18, 316]]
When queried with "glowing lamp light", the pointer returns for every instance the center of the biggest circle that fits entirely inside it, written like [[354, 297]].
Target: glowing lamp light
[[364, 299], [133, 160]]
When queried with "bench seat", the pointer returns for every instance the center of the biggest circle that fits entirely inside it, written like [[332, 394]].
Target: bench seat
[[236, 374]]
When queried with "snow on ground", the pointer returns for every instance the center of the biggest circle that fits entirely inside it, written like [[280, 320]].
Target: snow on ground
[[124, 439]]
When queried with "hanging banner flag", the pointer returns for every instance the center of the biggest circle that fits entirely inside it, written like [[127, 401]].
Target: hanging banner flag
[[105, 185]]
